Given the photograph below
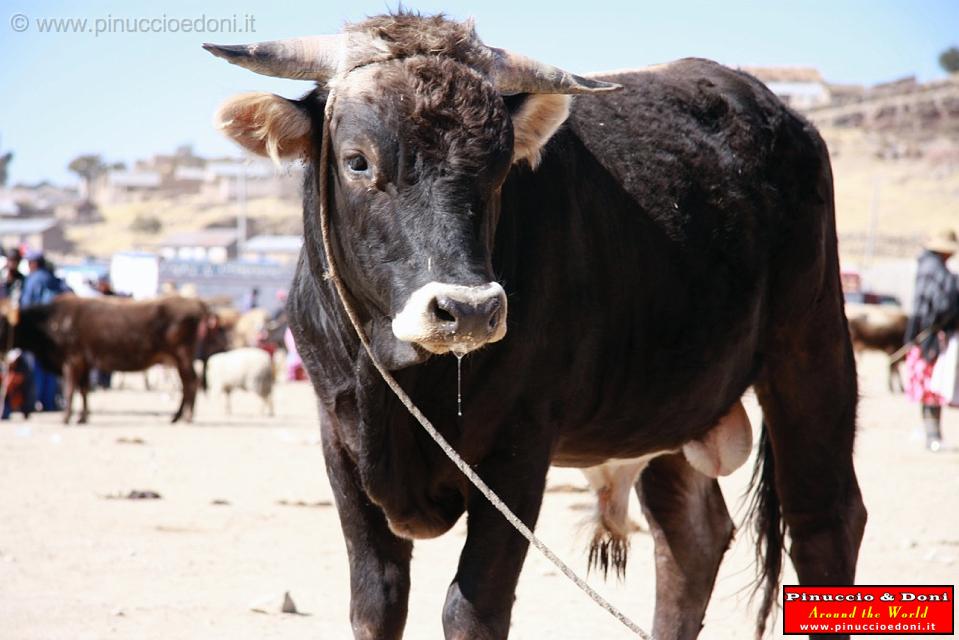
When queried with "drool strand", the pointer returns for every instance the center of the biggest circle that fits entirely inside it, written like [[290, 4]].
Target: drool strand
[[459, 383]]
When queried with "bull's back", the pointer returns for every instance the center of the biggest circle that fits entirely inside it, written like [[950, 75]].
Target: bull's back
[[651, 232], [701, 149], [122, 335]]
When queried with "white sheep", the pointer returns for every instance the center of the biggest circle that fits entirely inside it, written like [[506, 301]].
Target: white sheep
[[246, 368]]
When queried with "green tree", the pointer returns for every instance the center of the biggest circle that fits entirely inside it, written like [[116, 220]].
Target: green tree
[[949, 59], [4, 163], [88, 167]]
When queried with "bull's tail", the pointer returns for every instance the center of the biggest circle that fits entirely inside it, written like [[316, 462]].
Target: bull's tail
[[201, 347], [769, 531], [608, 549]]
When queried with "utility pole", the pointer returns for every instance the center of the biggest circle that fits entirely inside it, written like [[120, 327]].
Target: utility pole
[[241, 213], [873, 221]]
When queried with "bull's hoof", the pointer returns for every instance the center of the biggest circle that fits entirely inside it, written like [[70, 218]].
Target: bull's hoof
[[608, 550], [82, 420]]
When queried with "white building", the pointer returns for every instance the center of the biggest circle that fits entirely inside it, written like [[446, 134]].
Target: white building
[[272, 249], [799, 87], [207, 245]]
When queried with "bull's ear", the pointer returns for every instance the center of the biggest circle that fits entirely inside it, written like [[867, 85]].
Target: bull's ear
[[535, 120], [266, 124]]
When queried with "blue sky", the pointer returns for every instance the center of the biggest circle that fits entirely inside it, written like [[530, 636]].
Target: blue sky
[[128, 96]]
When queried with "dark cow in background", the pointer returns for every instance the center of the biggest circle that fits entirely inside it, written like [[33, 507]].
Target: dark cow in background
[[879, 328], [75, 335], [671, 245]]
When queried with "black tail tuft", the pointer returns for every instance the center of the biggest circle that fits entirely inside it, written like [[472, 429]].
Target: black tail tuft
[[608, 550], [769, 531]]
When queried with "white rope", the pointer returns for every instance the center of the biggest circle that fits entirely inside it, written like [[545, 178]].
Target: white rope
[[447, 448]]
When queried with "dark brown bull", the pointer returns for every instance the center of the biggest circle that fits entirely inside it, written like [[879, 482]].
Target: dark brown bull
[[75, 335], [573, 250], [879, 329]]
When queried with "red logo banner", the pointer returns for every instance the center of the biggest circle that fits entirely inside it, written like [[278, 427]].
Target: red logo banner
[[901, 610]]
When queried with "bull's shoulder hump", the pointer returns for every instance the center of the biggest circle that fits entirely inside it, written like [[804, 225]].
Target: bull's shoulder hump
[[689, 79], [693, 100], [628, 74], [684, 128]]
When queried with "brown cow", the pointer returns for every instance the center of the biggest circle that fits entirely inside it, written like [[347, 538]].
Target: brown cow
[[75, 335], [877, 328]]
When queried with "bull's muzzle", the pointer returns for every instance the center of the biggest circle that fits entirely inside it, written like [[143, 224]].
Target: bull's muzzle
[[447, 317]]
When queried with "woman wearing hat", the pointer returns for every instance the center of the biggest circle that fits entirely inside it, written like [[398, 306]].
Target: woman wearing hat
[[41, 287], [12, 280], [935, 316]]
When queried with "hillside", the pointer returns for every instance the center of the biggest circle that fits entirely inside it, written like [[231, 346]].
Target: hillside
[[913, 189], [119, 232]]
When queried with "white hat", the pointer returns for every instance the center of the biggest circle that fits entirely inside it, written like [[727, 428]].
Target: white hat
[[943, 242]]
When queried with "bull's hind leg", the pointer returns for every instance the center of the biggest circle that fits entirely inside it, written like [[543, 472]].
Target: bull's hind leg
[[69, 385], [83, 383], [612, 483], [379, 559], [807, 389], [189, 382], [691, 530]]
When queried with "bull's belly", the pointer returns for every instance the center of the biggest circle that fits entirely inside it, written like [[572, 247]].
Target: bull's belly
[[721, 450], [126, 361]]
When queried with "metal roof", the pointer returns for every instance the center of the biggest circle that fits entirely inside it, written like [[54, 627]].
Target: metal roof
[[274, 244], [785, 74], [202, 238], [136, 179], [26, 226]]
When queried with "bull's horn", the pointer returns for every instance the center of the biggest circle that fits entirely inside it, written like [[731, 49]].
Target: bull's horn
[[514, 73], [312, 58]]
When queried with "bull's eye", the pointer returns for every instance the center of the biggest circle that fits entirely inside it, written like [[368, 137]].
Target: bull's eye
[[357, 164]]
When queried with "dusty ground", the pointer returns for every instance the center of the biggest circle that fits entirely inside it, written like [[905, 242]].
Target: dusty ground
[[75, 565], [909, 196]]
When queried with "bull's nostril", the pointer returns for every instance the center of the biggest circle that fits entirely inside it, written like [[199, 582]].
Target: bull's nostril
[[440, 313], [494, 320]]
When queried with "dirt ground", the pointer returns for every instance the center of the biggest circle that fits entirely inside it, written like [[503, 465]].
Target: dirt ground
[[75, 564]]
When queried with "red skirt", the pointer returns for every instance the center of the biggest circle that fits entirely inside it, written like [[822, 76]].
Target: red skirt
[[917, 382]]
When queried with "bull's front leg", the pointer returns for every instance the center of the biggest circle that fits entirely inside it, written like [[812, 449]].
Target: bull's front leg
[[480, 599], [379, 560]]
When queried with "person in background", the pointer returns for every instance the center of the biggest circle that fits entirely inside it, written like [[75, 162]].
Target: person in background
[[294, 364], [934, 317], [102, 379], [252, 300], [17, 385], [12, 278], [18, 390], [41, 287], [103, 287]]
